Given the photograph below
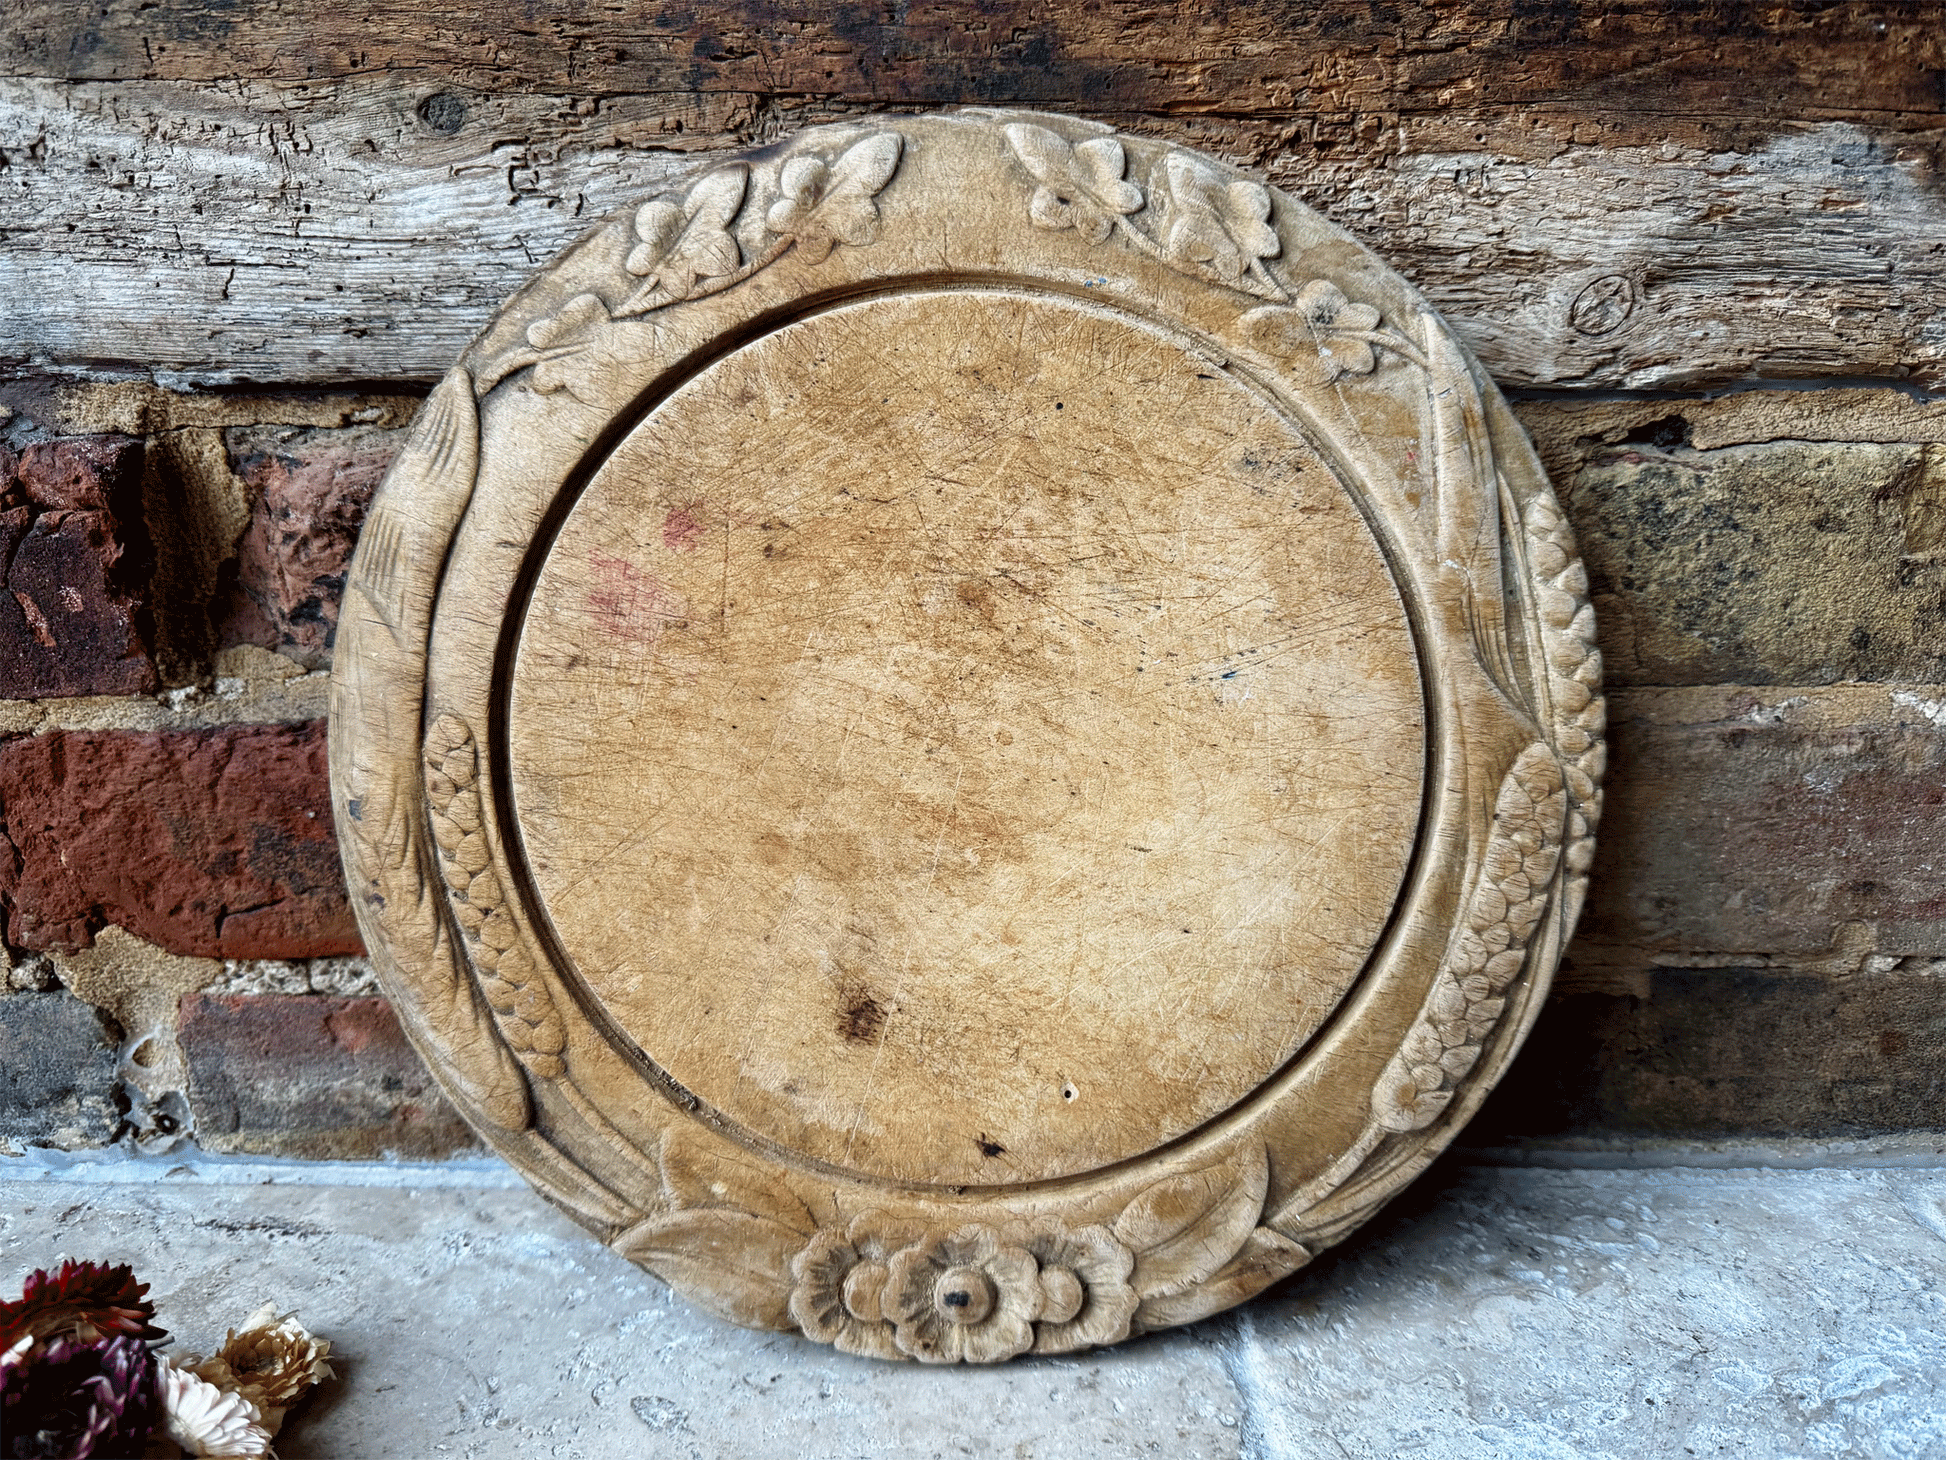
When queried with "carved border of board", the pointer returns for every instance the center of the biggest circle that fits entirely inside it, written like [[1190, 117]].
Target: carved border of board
[[1279, 295]]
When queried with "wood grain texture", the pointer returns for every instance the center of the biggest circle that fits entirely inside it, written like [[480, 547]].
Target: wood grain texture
[[1636, 196]]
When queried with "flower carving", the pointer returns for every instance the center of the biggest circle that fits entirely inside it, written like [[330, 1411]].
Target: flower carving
[[1086, 1298], [1321, 335], [826, 204], [691, 240], [694, 246], [966, 1295], [1081, 187], [1220, 227], [839, 1290]]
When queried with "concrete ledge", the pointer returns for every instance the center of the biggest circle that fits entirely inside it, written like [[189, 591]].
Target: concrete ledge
[[1527, 1312]]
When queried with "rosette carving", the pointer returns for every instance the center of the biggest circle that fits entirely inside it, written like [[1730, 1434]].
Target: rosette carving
[[975, 1284]]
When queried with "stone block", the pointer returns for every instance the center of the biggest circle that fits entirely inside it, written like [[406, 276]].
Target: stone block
[[1775, 562], [313, 1078], [58, 1069], [308, 490], [214, 843], [71, 616], [1728, 1052]]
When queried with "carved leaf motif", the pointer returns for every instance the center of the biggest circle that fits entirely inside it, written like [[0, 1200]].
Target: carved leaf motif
[[562, 335], [694, 1177], [826, 204], [691, 240], [1264, 1258], [733, 1264], [1082, 187], [437, 999], [1221, 227], [1184, 1228]]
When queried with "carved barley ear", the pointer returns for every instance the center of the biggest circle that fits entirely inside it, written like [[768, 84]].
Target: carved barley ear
[[968, 735]]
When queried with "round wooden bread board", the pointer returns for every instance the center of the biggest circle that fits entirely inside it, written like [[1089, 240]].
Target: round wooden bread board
[[967, 735]]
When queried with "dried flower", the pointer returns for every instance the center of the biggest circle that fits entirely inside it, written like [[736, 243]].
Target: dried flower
[[271, 1361], [966, 1296], [76, 1398], [84, 1301], [206, 1420]]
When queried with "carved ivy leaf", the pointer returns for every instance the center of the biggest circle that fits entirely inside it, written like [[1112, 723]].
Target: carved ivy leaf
[[691, 240], [1264, 1257], [1185, 1227], [733, 1264], [1082, 187], [826, 204], [1220, 227], [562, 335], [1321, 335], [696, 1177]]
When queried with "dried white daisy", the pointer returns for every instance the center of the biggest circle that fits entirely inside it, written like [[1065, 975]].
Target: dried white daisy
[[271, 1361], [206, 1420]]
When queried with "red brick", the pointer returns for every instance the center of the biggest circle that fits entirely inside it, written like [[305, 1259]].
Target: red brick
[[82, 473], [309, 496], [71, 619], [216, 843], [310, 1077]]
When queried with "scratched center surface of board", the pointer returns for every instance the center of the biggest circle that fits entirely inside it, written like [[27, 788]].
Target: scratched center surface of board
[[966, 737]]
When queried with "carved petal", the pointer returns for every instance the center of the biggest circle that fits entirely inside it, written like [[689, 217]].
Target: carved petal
[[867, 166], [658, 224], [733, 1264], [1046, 153], [1184, 1228], [1100, 163]]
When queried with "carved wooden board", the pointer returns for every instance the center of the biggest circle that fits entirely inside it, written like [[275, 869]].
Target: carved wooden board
[[967, 735]]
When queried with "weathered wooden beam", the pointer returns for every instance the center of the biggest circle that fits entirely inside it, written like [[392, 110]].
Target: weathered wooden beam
[[1668, 69], [363, 228]]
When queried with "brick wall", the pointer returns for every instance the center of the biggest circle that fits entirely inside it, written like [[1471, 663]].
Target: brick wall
[[1764, 952], [1682, 262]]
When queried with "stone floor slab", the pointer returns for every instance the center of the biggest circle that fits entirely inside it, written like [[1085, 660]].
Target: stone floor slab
[[1519, 1312]]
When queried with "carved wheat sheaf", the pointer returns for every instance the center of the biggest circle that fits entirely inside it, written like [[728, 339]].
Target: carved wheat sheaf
[[1509, 899], [513, 987], [1573, 670]]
